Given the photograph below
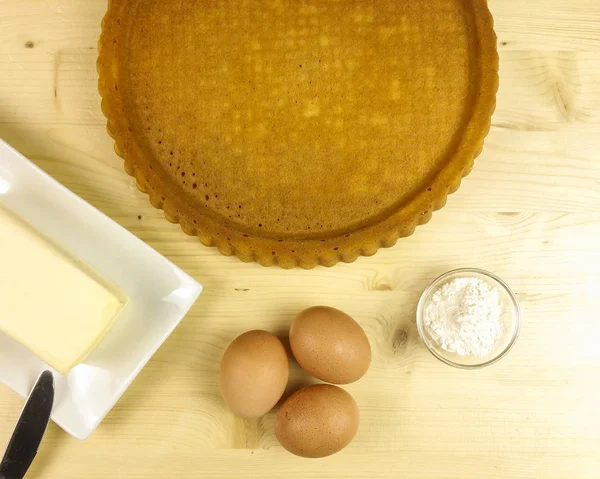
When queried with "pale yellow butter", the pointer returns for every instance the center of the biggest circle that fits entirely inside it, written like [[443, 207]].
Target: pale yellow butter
[[51, 303]]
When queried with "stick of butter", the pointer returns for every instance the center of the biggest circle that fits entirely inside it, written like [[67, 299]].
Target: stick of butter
[[57, 307]]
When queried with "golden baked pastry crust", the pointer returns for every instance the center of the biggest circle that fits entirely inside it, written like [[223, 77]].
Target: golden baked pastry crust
[[293, 132]]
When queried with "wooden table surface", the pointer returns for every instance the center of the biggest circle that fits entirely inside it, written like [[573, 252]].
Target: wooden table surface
[[530, 212]]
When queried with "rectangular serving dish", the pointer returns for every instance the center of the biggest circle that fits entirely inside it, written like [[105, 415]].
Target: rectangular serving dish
[[160, 294]]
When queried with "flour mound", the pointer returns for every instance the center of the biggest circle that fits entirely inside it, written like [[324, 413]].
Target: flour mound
[[464, 317]]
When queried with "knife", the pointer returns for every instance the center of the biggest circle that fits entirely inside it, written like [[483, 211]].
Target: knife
[[30, 429]]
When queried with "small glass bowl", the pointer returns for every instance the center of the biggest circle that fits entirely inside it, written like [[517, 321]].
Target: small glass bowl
[[511, 317]]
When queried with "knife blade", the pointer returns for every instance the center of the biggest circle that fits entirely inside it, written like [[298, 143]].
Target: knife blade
[[30, 429]]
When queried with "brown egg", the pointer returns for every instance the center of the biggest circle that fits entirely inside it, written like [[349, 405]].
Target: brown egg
[[254, 373], [330, 345], [317, 421]]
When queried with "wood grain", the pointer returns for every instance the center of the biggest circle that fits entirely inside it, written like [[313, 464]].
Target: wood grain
[[530, 212]]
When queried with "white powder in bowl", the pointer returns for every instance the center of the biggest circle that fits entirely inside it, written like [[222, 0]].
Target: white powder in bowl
[[464, 316]]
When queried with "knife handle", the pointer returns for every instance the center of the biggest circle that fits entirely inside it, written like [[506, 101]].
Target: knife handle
[[29, 431], [3, 476]]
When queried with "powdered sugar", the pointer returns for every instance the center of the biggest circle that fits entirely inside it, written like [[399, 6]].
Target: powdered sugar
[[465, 316]]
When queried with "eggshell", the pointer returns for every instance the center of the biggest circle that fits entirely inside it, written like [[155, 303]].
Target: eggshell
[[317, 421], [254, 373], [330, 345]]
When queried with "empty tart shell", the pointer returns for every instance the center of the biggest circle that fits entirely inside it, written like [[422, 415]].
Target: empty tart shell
[[298, 133]]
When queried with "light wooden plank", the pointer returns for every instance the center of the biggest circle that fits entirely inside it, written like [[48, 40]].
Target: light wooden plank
[[547, 24], [541, 154], [533, 25]]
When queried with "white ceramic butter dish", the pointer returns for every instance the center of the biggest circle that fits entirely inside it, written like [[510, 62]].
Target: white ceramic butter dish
[[160, 294]]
